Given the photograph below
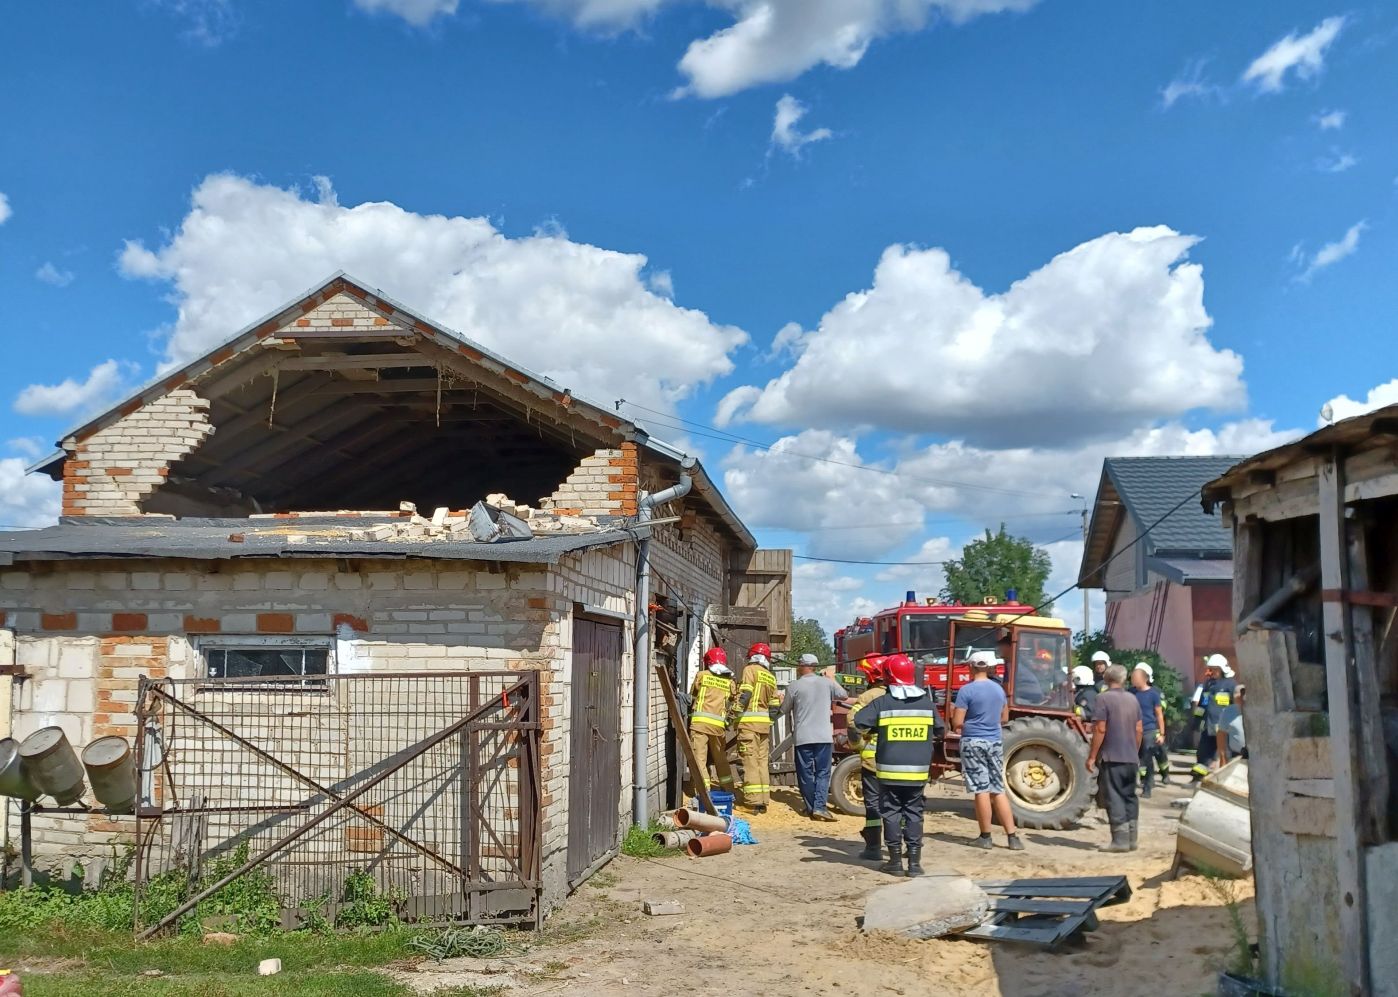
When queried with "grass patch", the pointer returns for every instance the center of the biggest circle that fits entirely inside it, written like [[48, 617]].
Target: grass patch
[[1244, 959], [604, 880], [640, 842]]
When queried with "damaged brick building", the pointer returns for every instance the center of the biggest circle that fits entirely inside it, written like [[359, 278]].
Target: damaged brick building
[[346, 488]]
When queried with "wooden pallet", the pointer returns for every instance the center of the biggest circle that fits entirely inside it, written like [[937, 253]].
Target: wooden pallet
[[1046, 912]]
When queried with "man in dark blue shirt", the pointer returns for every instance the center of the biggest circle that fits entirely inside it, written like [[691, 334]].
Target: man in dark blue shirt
[[1152, 723]]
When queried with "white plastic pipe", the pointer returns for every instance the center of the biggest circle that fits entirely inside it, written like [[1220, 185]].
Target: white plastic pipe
[[640, 710]]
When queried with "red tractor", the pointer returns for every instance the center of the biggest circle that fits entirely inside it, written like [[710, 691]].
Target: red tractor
[[1046, 773]]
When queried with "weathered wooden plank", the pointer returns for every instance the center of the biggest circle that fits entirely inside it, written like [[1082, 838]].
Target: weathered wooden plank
[[1035, 905], [1349, 856], [1308, 815], [356, 361], [1321, 789], [1309, 758], [1372, 776]]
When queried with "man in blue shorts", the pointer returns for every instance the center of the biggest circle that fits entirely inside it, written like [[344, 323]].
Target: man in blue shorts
[[981, 710]]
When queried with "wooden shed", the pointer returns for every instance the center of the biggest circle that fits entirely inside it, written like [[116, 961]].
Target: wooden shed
[[1315, 528]]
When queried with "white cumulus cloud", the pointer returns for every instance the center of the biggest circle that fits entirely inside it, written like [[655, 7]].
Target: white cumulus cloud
[[1345, 407], [806, 482], [1328, 121], [1336, 162], [1189, 84], [418, 13], [1332, 252], [1101, 339], [786, 136], [5, 210], [104, 382], [1301, 56], [588, 317], [50, 274], [27, 499], [769, 41]]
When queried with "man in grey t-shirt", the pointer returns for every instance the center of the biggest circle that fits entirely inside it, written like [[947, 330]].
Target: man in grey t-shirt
[[1114, 756], [808, 701]]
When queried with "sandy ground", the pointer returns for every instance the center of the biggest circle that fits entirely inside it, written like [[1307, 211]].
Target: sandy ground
[[780, 918]]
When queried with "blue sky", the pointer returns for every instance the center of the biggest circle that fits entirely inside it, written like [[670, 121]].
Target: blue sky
[[1229, 266]]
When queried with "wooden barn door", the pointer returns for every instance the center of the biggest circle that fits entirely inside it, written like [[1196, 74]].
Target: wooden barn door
[[594, 776]]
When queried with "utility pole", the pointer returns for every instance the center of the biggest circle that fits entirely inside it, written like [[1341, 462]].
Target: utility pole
[[1086, 627]]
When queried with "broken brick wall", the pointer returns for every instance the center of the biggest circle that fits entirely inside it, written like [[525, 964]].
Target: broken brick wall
[[112, 471], [604, 483]]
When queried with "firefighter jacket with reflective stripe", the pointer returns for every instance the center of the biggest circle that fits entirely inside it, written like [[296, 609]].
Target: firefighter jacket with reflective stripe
[[755, 698], [712, 695], [906, 730], [1200, 699], [1218, 699], [867, 746]]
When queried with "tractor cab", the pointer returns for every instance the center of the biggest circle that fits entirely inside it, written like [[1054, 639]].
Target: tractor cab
[[1036, 652]]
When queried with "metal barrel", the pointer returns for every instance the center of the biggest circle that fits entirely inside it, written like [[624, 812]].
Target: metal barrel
[[111, 770], [14, 780], [52, 765]]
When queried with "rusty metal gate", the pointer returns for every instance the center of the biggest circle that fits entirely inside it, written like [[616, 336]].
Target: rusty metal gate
[[423, 785], [594, 775]]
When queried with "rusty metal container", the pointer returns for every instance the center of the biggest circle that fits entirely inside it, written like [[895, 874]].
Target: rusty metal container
[[14, 780], [52, 765], [111, 770]]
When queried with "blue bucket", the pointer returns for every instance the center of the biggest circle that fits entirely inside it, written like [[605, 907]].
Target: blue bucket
[[722, 801]]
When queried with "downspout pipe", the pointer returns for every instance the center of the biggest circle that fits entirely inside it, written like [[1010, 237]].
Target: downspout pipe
[[640, 710]]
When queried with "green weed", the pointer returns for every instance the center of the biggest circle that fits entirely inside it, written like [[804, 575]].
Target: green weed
[[640, 842]]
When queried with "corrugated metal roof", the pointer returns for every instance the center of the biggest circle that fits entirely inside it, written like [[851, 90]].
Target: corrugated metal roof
[[1191, 570], [1151, 486], [209, 539]]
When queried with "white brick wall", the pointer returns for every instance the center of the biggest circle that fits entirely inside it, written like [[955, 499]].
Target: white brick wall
[[388, 616]]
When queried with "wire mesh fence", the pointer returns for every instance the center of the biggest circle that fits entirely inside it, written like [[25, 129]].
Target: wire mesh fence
[[418, 789]]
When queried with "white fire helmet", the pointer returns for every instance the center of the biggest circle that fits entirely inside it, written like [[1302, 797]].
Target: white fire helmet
[[1221, 663], [1141, 666], [1101, 656], [1082, 675]]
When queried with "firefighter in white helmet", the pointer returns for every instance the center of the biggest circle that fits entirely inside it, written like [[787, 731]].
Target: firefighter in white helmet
[[1101, 661]]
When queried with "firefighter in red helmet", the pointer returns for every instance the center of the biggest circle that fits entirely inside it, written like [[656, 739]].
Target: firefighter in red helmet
[[872, 669], [757, 694], [712, 695], [905, 719]]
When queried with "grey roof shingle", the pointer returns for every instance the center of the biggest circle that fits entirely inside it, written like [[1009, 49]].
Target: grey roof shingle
[[208, 539], [1151, 486]]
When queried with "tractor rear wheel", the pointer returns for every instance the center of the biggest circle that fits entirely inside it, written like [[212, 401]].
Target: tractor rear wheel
[[1046, 773], [847, 787]]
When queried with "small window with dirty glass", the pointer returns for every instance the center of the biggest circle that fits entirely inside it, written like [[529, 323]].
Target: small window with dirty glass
[[248, 660]]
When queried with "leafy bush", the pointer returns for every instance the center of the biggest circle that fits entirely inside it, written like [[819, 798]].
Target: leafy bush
[[1167, 680], [364, 906]]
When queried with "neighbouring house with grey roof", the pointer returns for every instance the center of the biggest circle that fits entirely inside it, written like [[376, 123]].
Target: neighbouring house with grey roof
[[354, 579], [1168, 590]]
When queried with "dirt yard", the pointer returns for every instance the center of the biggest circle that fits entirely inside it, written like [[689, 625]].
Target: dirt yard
[[780, 918]]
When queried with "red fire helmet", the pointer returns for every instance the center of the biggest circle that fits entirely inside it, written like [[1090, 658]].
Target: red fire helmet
[[760, 650], [900, 670], [715, 656], [872, 667]]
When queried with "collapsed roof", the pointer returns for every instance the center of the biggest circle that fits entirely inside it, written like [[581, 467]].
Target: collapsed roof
[[311, 411]]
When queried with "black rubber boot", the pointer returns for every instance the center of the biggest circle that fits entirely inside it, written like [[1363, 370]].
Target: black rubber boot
[[1131, 830], [914, 861], [1121, 839], [894, 865], [873, 837]]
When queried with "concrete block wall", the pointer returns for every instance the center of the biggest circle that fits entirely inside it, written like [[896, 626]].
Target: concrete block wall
[[603, 484], [87, 630], [111, 471]]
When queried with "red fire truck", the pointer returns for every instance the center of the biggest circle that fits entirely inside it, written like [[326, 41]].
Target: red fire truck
[[1045, 743]]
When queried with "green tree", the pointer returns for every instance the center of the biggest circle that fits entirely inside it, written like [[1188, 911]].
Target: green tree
[[1166, 679], [991, 566], [808, 637]]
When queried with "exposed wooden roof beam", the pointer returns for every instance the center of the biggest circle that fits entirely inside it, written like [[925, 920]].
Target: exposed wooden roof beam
[[355, 361], [302, 432]]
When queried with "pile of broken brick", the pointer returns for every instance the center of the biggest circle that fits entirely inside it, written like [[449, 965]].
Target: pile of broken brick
[[497, 518]]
